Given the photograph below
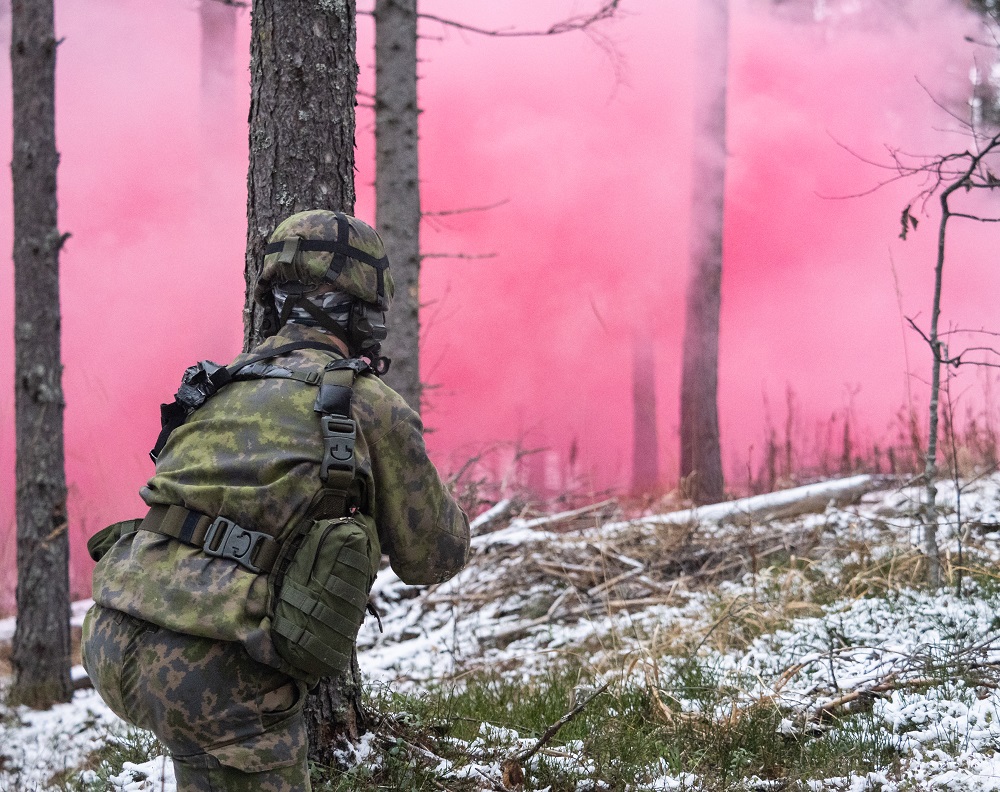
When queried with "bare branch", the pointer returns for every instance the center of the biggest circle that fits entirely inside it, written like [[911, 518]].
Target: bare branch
[[922, 334], [465, 210], [459, 255], [980, 331], [963, 121], [572, 24], [976, 218]]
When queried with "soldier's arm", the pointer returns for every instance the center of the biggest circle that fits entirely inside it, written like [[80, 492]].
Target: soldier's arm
[[422, 529]]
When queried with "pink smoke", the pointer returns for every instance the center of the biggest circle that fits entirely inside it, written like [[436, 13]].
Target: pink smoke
[[532, 345]]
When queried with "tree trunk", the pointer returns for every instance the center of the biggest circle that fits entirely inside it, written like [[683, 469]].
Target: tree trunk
[[701, 455], [397, 185], [303, 80], [645, 447], [41, 648]]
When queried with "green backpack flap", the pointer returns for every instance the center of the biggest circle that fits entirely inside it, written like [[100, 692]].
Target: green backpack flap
[[321, 590], [101, 542]]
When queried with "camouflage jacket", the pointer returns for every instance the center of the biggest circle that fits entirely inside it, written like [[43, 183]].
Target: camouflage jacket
[[252, 453]]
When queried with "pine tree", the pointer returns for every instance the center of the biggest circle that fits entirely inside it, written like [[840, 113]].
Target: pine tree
[[303, 81], [41, 647]]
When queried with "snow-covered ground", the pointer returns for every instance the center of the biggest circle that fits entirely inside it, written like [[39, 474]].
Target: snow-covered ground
[[537, 589]]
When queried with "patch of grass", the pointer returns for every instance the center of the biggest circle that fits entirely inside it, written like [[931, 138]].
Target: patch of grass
[[127, 745], [855, 744], [689, 720]]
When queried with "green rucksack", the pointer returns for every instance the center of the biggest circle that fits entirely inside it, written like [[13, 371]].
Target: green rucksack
[[321, 571]]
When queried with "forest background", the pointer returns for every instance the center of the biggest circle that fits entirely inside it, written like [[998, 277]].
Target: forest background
[[582, 148]]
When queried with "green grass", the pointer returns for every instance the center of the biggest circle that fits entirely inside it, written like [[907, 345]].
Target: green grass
[[624, 738], [130, 745]]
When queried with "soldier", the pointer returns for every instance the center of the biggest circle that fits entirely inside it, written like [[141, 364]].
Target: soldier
[[278, 480]]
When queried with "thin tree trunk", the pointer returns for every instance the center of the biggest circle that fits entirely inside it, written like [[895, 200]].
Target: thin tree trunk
[[303, 81], [397, 184], [645, 445], [929, 508], [41, 648], [701, 455]]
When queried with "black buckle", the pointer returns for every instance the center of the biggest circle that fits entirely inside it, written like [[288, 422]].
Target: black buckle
[[339, 435], [226, 539]]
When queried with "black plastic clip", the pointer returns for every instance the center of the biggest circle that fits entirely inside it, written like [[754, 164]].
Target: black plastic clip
[[339, 435], [226, 539]]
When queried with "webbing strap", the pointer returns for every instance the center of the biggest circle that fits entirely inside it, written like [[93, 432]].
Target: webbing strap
[[345, 591], [178, 523], [281, 350], [175, 413], [299, 598], [262, 370], [217, 536], [339, 431], [355, 560], [298, 636], [329, 246]]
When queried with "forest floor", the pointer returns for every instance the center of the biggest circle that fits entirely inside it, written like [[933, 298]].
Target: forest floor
[[782, 642]]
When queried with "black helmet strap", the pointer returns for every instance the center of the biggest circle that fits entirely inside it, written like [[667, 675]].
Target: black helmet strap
[[341, 252]]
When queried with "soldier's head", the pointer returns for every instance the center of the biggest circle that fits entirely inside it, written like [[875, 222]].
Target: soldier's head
[[329, 270]]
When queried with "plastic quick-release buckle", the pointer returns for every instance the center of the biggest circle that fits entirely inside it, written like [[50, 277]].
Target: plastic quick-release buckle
[[339, 435], [226, 539]]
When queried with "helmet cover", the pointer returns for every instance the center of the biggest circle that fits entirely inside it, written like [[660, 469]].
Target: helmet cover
[[331, 248]]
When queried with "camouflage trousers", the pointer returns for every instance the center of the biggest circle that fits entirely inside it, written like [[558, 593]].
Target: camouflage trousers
[[229, 722]]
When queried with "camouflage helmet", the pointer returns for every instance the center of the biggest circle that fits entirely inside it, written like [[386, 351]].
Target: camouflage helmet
[[319, 247]]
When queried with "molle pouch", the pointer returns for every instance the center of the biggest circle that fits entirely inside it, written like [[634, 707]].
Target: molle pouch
[[321, 600], [102, 541]]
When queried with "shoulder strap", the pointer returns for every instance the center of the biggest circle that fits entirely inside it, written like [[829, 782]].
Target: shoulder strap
[[339, 430], [177, 412]]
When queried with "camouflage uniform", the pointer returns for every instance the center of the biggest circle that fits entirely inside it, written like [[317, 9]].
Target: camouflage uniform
[[178, 640]]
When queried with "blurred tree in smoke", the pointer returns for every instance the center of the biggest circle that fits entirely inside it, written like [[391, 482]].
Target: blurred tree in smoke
[[303, 80], [41, 647], [218, 21], [701, 453], [397, 185]]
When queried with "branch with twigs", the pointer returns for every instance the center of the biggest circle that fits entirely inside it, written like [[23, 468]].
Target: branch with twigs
[[579, 22]]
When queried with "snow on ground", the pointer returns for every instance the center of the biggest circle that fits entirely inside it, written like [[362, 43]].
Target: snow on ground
[[526, 597]]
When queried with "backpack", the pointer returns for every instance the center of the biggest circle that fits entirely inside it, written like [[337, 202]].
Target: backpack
[[321, 570]]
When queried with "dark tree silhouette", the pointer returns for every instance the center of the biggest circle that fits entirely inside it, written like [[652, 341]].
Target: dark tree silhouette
[[397, 185], [701, 455], [645, 446], [41, 648]]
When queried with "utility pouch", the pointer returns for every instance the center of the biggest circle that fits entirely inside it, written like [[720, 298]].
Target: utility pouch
[[102, 541], [321, 599]]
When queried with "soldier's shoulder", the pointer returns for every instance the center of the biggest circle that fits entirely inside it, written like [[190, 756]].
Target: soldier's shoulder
[[375, 390], [377, 403]]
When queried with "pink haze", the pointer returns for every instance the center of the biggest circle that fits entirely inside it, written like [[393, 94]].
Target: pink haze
[[590, 153]]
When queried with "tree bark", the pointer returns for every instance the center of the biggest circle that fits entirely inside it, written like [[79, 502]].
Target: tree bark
[[701, 455], [397, 185], [303, 81], [41, 647], [645, 445]]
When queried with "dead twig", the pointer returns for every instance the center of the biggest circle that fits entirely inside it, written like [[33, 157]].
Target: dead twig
[[553, 730]]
